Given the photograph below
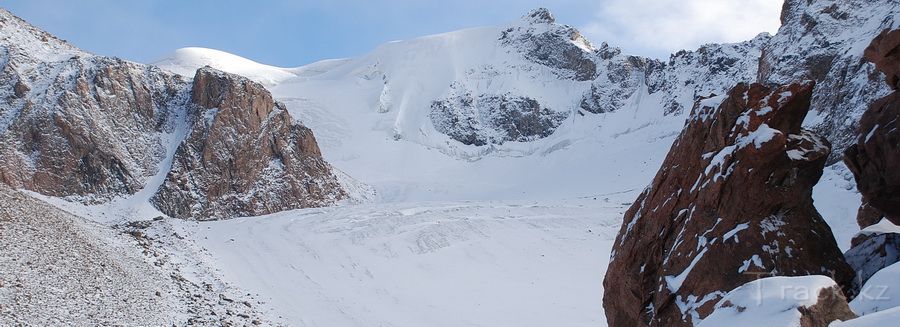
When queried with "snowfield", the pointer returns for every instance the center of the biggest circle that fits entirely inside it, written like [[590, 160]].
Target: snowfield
[[422, 264], [517, 234], [511, 234]]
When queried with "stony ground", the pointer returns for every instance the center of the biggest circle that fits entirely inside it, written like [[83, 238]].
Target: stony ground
[[58, 269]]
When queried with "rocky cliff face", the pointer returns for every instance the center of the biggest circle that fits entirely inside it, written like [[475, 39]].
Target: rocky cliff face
[[873, 160], [91, 128], [244, 156], [875, 155], [824, 41], [77, 125], [732, 201]]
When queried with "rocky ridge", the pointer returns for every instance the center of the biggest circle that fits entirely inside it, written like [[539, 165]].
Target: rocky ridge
[[819, 40]]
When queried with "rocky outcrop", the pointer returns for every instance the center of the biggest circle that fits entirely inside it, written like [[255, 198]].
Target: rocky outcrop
[[731, 202], [873, 161], [494, 119], [884, 53], [77, 125], [540, 40], [91, 128], [244, 156], [876, 154]]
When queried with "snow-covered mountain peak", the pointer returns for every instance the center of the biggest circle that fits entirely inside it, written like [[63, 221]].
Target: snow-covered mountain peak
[[185, 61], [21, 39], [540, 16]]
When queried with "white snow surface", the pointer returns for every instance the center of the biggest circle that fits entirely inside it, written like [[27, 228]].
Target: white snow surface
[[884, 226], [879, 319], [185, 62], [881, 292], [425, 264]]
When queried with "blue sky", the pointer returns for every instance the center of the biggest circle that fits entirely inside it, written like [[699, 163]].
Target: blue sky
[[292, 33]]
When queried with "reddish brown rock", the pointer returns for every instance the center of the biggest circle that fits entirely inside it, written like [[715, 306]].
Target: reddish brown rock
[[876, 155], [884, 52], [92, 131], [731, 202], [244, 156]]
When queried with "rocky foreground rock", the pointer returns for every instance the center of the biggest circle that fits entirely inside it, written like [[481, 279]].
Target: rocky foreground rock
[[876, 155], [730, 204], [244, 156], [874, 160]]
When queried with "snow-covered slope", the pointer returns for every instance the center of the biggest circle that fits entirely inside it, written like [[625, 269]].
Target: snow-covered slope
[[408, 118], [418, 120], [185, 62]]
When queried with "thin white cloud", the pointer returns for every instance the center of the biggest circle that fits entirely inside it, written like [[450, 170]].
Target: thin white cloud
[[660, 27]]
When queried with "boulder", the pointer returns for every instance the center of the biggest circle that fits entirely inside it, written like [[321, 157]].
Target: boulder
[[243, 156], [874, 248], [884, 52], [731, 202]]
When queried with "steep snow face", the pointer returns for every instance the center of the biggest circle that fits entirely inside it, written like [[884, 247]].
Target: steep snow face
[[500, 102], [477, 87], [499, 97]]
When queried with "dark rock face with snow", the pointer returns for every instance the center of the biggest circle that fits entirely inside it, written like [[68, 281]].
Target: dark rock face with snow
[[77, 125], [876, 155], [494, 119], [244, 156], [871, 253], [711, 69], [732, 202], [824, 41], [91, 128], [557, 46]]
